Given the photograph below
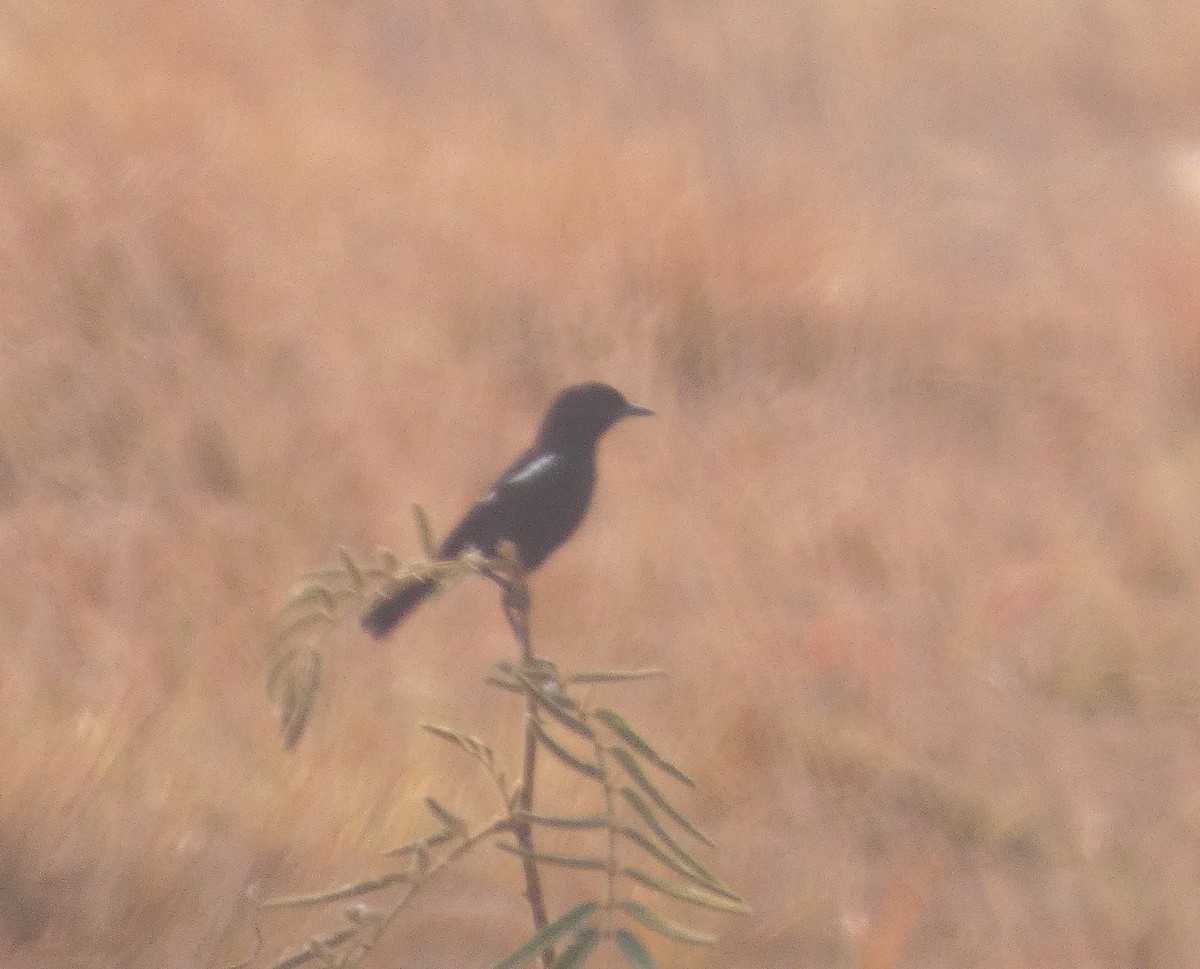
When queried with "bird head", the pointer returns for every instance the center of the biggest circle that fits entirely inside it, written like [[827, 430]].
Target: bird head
[[580, 414]]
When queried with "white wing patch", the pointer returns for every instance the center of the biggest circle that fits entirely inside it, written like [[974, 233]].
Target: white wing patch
[[535, 469]]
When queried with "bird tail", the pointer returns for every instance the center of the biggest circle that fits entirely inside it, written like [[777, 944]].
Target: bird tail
[[386, 614]]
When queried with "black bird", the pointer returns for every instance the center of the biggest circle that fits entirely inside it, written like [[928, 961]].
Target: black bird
[[537, 503]]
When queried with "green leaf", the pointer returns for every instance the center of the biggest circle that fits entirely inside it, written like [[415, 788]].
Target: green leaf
[[583, 821], [466, 741], [353, 573], [585, 767], [613, 676], [316, 949], [422, 844], [279, 665], [672, 930], [563, 861], [471, 745], [304, 622], [454, 824], [639, 776], [510, 685], [577, 952], [692, 871], [634, 952], [548, 936], [295, 691], [338, 894], [647, 815], [557, 708], [686, 893], [425, 531], [315, 592], [620, 726], [538, 667]]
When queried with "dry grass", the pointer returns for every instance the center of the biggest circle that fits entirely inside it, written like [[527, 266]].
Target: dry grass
[[917, 533]]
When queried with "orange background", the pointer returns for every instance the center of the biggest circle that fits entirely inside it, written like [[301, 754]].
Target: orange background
[[916, 533]]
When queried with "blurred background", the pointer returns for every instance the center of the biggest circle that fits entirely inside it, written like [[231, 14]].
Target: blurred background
[[916, 534]]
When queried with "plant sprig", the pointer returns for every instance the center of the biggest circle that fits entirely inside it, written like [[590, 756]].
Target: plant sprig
[[637, 823]]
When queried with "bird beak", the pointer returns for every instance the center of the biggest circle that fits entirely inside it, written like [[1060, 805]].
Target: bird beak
[[637, 410]]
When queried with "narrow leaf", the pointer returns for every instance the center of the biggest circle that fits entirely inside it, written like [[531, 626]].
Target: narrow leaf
[[686, 893], [548, 936], [423, 844], [672, 930], [583, 821], [692, 870], [510, 685], [425, 531], [556, 709], [538, 667], [472, 745], [638, 803], [353, 573], [317, 949], [315, 592], [620, 726], [563, 861], [301, 623], [446, 733], [297, 706], [613, 676], [338, 894], [642, 781], [574, 955], [454, 824], [585, 767], [287, 700], [420, 863], [634, 952], [279, 665]]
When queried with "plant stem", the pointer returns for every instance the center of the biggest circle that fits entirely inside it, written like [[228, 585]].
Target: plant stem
[[516, 611]]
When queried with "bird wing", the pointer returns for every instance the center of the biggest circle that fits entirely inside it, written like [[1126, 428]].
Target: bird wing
[[517, 497], [527, 477]]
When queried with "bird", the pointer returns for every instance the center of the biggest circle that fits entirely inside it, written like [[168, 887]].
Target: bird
[[537, 503]]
